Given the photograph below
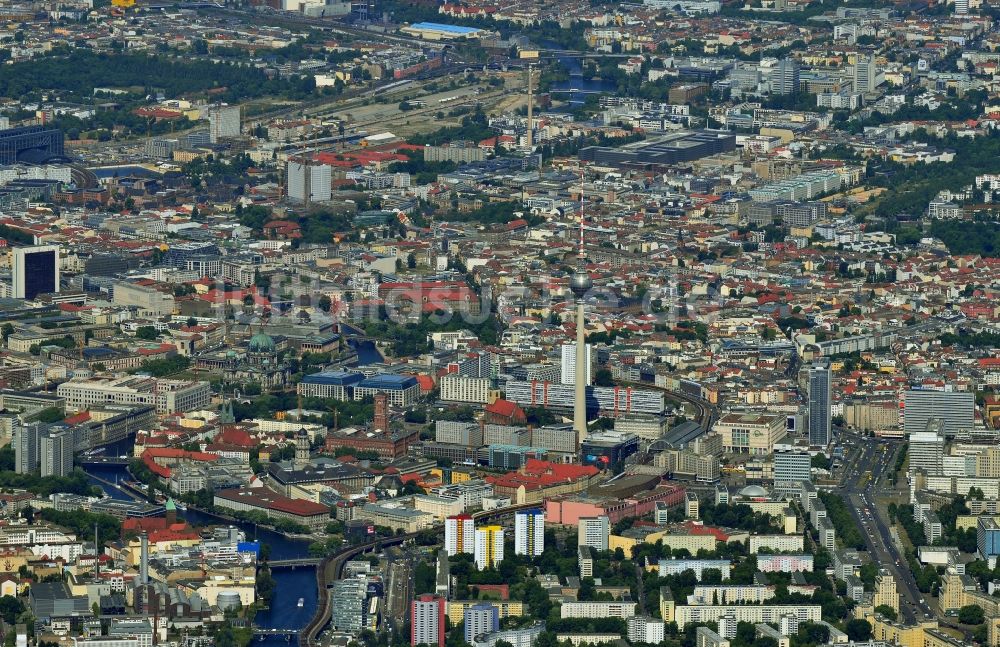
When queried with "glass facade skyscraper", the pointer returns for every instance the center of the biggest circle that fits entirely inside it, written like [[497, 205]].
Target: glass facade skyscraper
[[819, 404]]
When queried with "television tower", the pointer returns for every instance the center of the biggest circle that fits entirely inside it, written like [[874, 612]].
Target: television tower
[[580, 283], [530, 134]]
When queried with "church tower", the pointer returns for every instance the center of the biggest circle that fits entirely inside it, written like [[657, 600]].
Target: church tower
[[301, 449]]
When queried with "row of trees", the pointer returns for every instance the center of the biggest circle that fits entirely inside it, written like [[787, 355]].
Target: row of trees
[[348, 412], [75, 483], [926, 576], [129, 121], [411, 338], [847, 529], [82, 523], [77, 72], [166, 366]]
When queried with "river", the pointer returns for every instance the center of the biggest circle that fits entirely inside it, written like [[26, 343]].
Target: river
[[576, 81], [367, 353], [292, 584]]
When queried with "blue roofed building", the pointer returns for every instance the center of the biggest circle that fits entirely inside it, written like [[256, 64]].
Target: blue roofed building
[[401, 390], [338, 385]]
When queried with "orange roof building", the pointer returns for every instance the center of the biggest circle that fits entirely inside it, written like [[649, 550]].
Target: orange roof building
[[538, 480]]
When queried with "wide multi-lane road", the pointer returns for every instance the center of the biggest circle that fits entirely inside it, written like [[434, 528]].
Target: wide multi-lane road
[[859, 493]]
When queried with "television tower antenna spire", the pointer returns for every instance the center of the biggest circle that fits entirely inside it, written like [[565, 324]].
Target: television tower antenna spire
[[580, 283], [580, 253]]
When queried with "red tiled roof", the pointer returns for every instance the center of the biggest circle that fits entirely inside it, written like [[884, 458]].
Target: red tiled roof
[[234, 435], [701, 529], [170, 534], [538, 474], [502, 407], [264, 498], [172, 452], [226, 447], [150, 455], [79, 418]]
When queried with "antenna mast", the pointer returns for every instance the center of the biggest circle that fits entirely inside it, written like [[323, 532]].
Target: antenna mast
[[580, 252]]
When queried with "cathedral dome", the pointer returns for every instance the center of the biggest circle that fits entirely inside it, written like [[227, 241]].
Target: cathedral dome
[[261, 343]]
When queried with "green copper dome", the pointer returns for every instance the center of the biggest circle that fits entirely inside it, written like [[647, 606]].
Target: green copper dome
[[261, 343]]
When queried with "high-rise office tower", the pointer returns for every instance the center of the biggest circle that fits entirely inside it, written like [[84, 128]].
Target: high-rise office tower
[[459, 534], [489, 547], [35, 271], [56, 452], [309, 181], [926, 452], [792, 466], [785, 77], [568, 364], [819, 404], [348, 606], [26, 447], [864, 74], [529, 532], [593, 532], [961, 7], [956, 411], [987, 537], [427, 616], [481, 619], [223, 122]]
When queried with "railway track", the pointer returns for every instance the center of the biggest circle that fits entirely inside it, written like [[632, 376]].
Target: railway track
[[429, 110], [706, 413]]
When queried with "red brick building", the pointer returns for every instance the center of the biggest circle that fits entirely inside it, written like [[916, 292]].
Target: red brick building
[[505, 412], [387, 444]]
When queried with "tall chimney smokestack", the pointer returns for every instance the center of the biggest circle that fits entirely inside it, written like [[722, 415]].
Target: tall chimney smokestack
[[144, 560]]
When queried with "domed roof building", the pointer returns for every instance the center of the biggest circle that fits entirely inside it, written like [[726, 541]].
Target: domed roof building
[[259, 363], [753, 492], [261, 343]]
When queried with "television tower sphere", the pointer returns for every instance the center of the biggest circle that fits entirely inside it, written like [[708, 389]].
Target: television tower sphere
[[580, 283]]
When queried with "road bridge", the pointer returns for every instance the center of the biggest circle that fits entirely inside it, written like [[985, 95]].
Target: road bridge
[[104, 460], [292, 563], [263, 632], [576, 91]]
